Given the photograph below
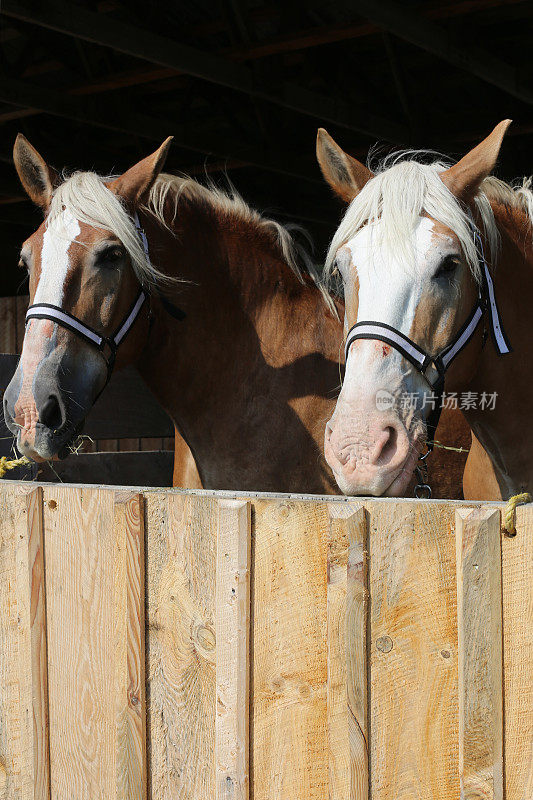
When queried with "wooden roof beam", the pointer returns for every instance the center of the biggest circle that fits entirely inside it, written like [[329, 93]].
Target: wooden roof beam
[[410, 26], [343, 31], [72, 20], [92, 111]]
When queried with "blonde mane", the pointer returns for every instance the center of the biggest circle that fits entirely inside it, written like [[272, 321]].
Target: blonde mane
[[404, 188], [86, 196], [170, 189]]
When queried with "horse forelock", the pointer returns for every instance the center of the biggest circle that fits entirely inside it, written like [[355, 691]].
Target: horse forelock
[[404, 189], [87, 199]]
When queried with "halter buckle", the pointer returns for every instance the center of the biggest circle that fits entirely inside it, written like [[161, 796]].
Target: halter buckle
[[423, 491], [422, 488]]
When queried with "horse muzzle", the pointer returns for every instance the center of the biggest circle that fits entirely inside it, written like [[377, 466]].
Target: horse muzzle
[[374, 458], [46, 410]]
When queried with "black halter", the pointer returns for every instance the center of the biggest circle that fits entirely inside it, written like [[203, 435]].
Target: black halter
[[423, 361], [107, 345]]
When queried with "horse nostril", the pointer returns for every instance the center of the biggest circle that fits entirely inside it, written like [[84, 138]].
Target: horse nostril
[[50, 414]]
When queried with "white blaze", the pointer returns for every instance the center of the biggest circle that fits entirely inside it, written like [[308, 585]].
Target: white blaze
[[390, 291], [57, 239]]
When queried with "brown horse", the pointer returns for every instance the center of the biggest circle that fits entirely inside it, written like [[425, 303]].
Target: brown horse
[[434, 258], [240, 349]]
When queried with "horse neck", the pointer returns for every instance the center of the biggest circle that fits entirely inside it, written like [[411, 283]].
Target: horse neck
[[249, 375], [505, 432]]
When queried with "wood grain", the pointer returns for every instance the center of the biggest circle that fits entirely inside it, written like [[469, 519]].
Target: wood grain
[[151, 443], [290, 749], [347, 610], [232, 629], [129, 444], [21, 304], [130, 673], [94, 665], [39, 655], [80, 593], [517, 590], [8, 325], [413, 656], [336, 657], [182, 544], [479, 616], [17, 752]]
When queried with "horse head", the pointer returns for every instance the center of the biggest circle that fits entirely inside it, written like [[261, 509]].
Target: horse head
[[408, 253], [86, 266]]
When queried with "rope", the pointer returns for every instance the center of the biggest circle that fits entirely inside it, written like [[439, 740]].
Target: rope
[[509, 516], [441, 446], [7, 464]]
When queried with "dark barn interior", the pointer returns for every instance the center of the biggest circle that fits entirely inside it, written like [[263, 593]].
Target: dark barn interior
[[244, 84]]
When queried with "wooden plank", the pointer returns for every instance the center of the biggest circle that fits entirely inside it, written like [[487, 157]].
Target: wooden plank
[[8, 329], [290, 750], [108, 445], [128, 445], [232, 630], [347, 609], [17, 764], [8, 365], [130, 647], [93, 584], [80, 590], [39, 656], [517, 590], [479, 615], [150, 443], [21, 302], [114, 469], [413, 651], [182, 553]]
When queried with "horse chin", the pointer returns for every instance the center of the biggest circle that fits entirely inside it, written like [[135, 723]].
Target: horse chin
[[397, 485], [45, 447]]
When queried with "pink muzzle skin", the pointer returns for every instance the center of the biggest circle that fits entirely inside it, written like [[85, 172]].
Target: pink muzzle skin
[[371, 453]]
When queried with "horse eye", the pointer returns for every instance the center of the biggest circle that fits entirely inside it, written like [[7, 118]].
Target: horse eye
[[111, 255], [448, 266]]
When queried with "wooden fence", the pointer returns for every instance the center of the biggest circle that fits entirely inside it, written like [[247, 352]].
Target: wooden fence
[[191, 646]]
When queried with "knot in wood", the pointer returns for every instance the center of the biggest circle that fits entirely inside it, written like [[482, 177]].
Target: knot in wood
[[205, 637], [384, 644]]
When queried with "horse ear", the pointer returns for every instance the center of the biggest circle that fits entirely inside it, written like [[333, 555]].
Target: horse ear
[[345, 174], [37, 178], [464, 178], [133, 184]]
